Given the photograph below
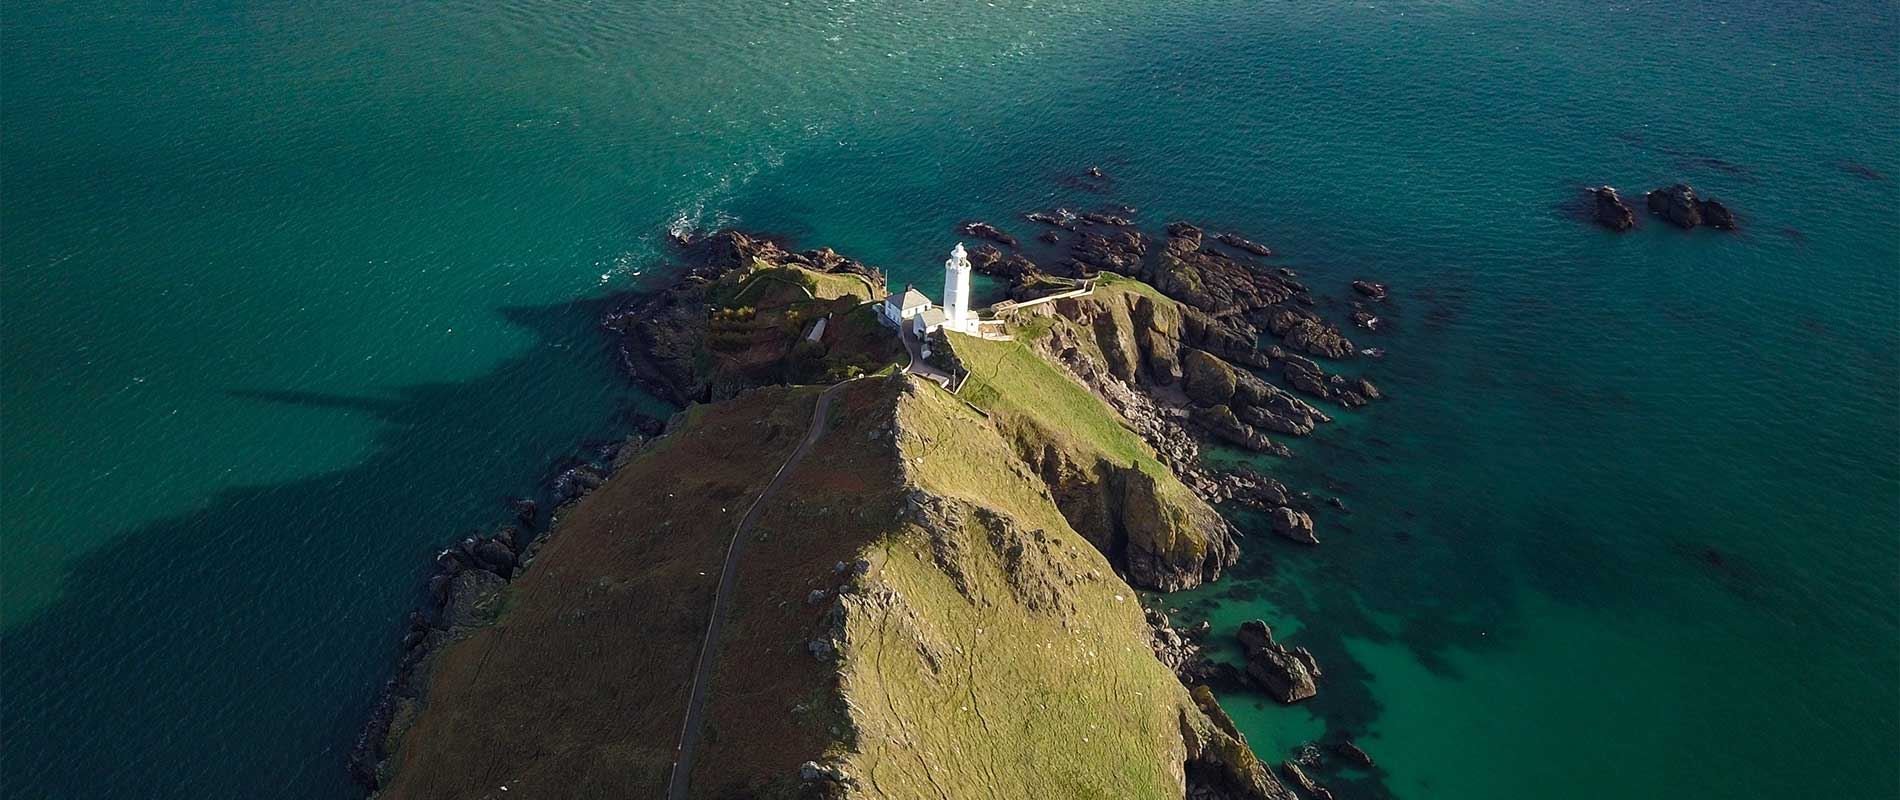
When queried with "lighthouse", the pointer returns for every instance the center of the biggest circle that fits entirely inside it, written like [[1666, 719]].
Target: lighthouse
[[956, 291]]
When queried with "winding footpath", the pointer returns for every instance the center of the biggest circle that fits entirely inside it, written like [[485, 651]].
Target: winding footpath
[[917, 365], [677, 784]]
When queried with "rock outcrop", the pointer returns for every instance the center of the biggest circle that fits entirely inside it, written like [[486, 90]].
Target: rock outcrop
[[1677, 204], [1170, 543], [984, 230], [1716, 215], [1371, 291], [1680, 205], [1610, 210], [1295, 525], [1211, 281], [1306, 783], [1119, 251], [1244, 244], [662, 336], [1288, 675], [1304, 331]]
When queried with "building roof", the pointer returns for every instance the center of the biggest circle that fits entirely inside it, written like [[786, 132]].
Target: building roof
[[911, 298], [932, 317]]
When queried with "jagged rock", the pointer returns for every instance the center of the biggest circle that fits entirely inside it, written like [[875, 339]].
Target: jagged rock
[[1278, 423], [1207, 379], [1168, 545], [984, 230], [1098, 218], [1119, 251], [1049, 237], [1305, 376], [1220, 421], [1372, 291], [1303, 331], [1241, 243], [1012, 267], [1305, 782], [1295, 525], [1250, 390], [1173, 649], [1365, 319], [1220, 765], [1676, 203], [1251, 488], [661, 335], [473, 599], [1610, 210], [495, 555], [1061, 218], [1716, 215], [825, 772], [1213, 282], [525, 511], [1288, 675]]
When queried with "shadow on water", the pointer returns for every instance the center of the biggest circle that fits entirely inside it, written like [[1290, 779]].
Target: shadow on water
[[234, 650]]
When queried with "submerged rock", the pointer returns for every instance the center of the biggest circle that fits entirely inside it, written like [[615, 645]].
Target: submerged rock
[[1351, 752]]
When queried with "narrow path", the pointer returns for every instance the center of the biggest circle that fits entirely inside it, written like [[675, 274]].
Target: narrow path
[[676, 786], [917, 365]]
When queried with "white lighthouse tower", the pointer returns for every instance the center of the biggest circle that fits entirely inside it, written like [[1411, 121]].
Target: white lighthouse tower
[[956, 292]]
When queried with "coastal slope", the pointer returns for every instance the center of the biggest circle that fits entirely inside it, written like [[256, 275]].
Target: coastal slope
[[915, 616]]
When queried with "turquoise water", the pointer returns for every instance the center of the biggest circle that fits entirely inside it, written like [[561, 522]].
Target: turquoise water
[[295, 293]]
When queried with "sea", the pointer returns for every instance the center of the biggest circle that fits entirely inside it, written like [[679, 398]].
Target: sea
[[294, 294]]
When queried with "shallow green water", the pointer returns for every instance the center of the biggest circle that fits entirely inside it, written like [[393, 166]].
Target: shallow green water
[[296, 293]]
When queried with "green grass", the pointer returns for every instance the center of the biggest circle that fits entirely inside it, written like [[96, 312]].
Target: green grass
[[1002, 660], [1009, 380], [768, 286]]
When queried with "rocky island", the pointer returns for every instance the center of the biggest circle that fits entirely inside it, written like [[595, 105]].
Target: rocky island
[[914, 587]]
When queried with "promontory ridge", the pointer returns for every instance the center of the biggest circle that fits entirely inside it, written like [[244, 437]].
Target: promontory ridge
[[894, 548]]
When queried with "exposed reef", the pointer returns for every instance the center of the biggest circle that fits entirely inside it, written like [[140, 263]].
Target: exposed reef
[[1676, 204]]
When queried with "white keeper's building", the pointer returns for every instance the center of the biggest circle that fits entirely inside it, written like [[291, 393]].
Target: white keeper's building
[[914, 309]]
